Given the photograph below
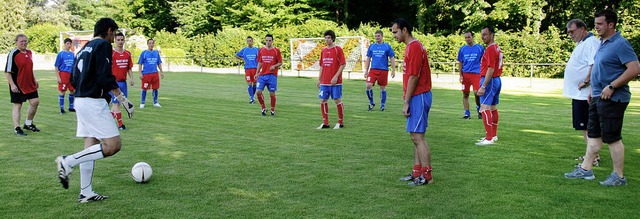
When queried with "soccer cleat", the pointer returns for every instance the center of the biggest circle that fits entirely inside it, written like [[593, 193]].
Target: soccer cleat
[[157, 105], [580, 173], [466, 117], [382, 108], [252, 101], [338, 126], [614, 180], [371, 106], [64, 171], [273, 113], [264, 112], [95, 197], [494, 139], [19, 131], [142, 106], [418, 181], [62, 111], [72, 110], [479, 115], [31, 127], [323, 126], [122, 127], [485, 142]]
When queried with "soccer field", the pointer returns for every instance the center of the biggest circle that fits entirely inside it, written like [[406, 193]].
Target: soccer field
[[214, 156]]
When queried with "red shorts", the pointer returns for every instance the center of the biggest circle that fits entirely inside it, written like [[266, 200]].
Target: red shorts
[[381, 76], [65, 84], [150, 81], [469, 79], [249, 74]]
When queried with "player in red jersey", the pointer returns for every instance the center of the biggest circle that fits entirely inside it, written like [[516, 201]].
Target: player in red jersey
[[22, 84], [416, 83], [490, 86], [332, 63], [269, 60], [121, 67]]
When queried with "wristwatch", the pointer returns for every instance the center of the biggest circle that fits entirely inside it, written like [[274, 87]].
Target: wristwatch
[[611, 87]]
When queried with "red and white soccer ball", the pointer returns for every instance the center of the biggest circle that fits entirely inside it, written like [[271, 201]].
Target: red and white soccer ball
[[141, 172]]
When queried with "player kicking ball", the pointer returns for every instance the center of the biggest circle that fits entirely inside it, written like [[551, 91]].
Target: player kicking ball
[[93, 80]]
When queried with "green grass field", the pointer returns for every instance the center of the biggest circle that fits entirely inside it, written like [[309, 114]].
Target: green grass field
[[214, 156]]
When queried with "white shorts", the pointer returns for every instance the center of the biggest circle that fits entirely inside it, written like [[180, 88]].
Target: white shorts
[[94, 118]]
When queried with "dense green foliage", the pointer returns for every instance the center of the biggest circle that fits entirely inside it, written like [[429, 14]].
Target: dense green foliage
[[214, 156], [44, 38]]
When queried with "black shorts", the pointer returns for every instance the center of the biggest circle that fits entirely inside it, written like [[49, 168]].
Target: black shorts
[[21, 98], [580, 109], [605, 119]]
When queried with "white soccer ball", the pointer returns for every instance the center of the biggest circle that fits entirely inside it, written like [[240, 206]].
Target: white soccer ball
[[141, 172]]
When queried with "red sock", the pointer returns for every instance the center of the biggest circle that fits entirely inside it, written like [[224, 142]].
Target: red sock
[[273, 103], [261, 100], [426, 172], [495, 122], [113, 114], [487, 120], [119, 118], [416, 171], [324, 107], [340, 113]]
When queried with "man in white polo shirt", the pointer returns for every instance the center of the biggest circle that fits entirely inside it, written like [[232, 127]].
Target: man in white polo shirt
[[576, 75]]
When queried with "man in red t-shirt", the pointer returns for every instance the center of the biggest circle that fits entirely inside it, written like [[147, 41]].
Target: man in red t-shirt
[[269, 60], [332, 63], [22, 84], [120, 68], [416, 83], [490, 86]]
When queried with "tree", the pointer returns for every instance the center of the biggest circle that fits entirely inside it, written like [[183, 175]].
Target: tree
[[56, 13], [88, 12], [148, 15], [12, 14]]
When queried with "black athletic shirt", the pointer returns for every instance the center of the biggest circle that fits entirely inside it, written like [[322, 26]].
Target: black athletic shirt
[[91, 74]]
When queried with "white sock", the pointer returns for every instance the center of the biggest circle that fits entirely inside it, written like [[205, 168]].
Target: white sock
[[86, 174], [28, 122], [88, 154]]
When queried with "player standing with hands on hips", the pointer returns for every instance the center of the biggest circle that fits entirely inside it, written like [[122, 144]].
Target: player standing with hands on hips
[[332, 62], [378, 56], [149, 64], [93, 80], [416, 83], [63, 65], [490, 86], [22, 84]]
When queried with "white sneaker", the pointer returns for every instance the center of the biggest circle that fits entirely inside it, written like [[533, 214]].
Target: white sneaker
[[485, 142], [141, 106], [157, 105], [338, 126], [323, 126], [494, 139]]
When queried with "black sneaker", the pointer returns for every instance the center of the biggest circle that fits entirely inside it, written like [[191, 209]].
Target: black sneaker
[[273, 113], [371, 106], [264, 112], [19, 131], [31, 127], [122, 127], [72, 110], [62, 111], [95, 197], [418, 181], [466, 117]]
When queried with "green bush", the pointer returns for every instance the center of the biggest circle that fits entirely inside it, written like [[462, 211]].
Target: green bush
[[7, 42], [45, 38]]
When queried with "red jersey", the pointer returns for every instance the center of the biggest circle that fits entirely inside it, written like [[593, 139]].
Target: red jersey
[[492, 58], [330, 60], [20, 65], [120, 65], [269, 57], [416, 63]]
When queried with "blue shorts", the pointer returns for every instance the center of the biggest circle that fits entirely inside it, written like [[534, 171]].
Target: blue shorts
[[491, 92], [123, 89], [326, 91], [419, 107], [270, 80]]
